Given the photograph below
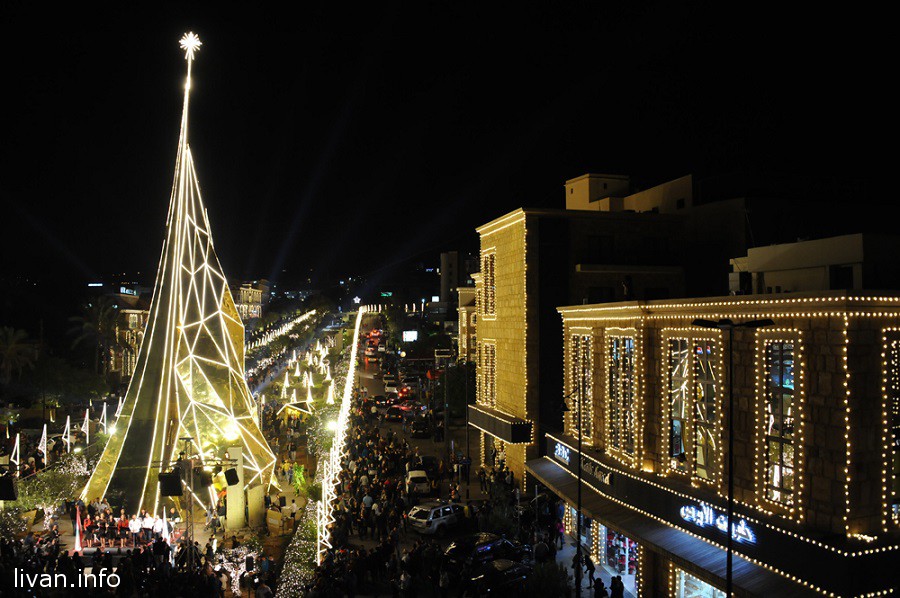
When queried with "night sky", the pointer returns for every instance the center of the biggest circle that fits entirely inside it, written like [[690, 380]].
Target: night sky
[[340, 139]]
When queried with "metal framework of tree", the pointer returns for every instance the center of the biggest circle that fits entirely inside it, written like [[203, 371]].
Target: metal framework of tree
[[189, 378]]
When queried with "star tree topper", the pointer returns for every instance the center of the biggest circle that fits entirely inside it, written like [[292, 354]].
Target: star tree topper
[[190, 43]]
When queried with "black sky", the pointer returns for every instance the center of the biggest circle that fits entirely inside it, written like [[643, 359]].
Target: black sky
[[338, 138]]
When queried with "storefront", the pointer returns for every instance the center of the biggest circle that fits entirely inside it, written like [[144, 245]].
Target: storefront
[[686, 585], [613, 553], [663, 542]]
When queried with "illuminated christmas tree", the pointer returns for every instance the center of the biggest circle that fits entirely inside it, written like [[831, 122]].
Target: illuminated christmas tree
[[189, 380]]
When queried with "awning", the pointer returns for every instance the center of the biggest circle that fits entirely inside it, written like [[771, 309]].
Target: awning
[[504, 426], [687, 552]]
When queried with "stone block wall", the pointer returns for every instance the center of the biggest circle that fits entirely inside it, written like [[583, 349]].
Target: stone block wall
[[828, 504]]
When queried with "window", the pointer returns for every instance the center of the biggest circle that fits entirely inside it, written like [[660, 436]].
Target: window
[[688, 586], [621, 419], [779, 422], [581, 384], [679, 380], [489, 290], [892, 389], [489, 375], [693, 407]]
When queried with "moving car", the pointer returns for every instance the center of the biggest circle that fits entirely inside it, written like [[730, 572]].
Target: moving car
[[476, 550], [390, 387], [382, 401], [417, 481], [435, 518]]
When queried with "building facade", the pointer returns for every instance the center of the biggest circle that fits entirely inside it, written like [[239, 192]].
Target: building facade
[[816, 408], [857, 261], [248, 299], [533, 260]]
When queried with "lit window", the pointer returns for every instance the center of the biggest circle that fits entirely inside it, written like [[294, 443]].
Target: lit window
[[688, 586], [581, 384], [489, 375], [778, 422], [893, 420], [488, 288], [621, 418], [693, 407]]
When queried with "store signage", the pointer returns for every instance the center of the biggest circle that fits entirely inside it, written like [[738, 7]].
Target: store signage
[[562, 453], [593, 468], [705, 516]]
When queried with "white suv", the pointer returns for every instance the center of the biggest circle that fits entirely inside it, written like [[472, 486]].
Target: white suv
[[434, 518]]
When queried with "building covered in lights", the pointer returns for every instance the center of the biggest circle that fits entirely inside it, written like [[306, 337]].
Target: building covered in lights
[[816, 397], [532, 261]]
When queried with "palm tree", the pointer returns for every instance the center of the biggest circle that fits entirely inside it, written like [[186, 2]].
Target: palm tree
[[16, 353], [97, 326]]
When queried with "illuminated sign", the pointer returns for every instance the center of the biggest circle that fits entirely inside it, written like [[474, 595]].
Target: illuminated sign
[[562, 453], [705, 516], [435, 299], [387, 293], [410, 336], [95, 284], [356, 300], [127, 291]]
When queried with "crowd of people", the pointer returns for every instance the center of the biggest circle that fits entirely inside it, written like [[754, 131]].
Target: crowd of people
[[373, 502]]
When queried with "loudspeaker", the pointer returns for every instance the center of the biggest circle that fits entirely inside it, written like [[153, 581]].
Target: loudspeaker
[[248, 563], [170, 484], [231, 476], [282, 501], [8, 489]]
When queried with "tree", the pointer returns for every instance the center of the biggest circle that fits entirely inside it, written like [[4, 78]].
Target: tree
[[96, 326], [59, 383], [16, 353]]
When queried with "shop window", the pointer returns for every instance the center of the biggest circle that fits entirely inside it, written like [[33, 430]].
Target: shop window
[[778, 422], [581, 384], [621, 558], [621, 406], [688, 586], [892, 409], [679, 381]]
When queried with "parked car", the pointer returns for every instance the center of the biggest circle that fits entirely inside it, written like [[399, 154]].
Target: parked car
[[501, 577], [417, 481], [479, 549], [435, 518]]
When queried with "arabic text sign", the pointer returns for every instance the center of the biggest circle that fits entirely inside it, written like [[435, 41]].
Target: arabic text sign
[[706, 516]]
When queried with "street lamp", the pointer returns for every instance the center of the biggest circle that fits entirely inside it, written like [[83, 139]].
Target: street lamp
[[729, 325]]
